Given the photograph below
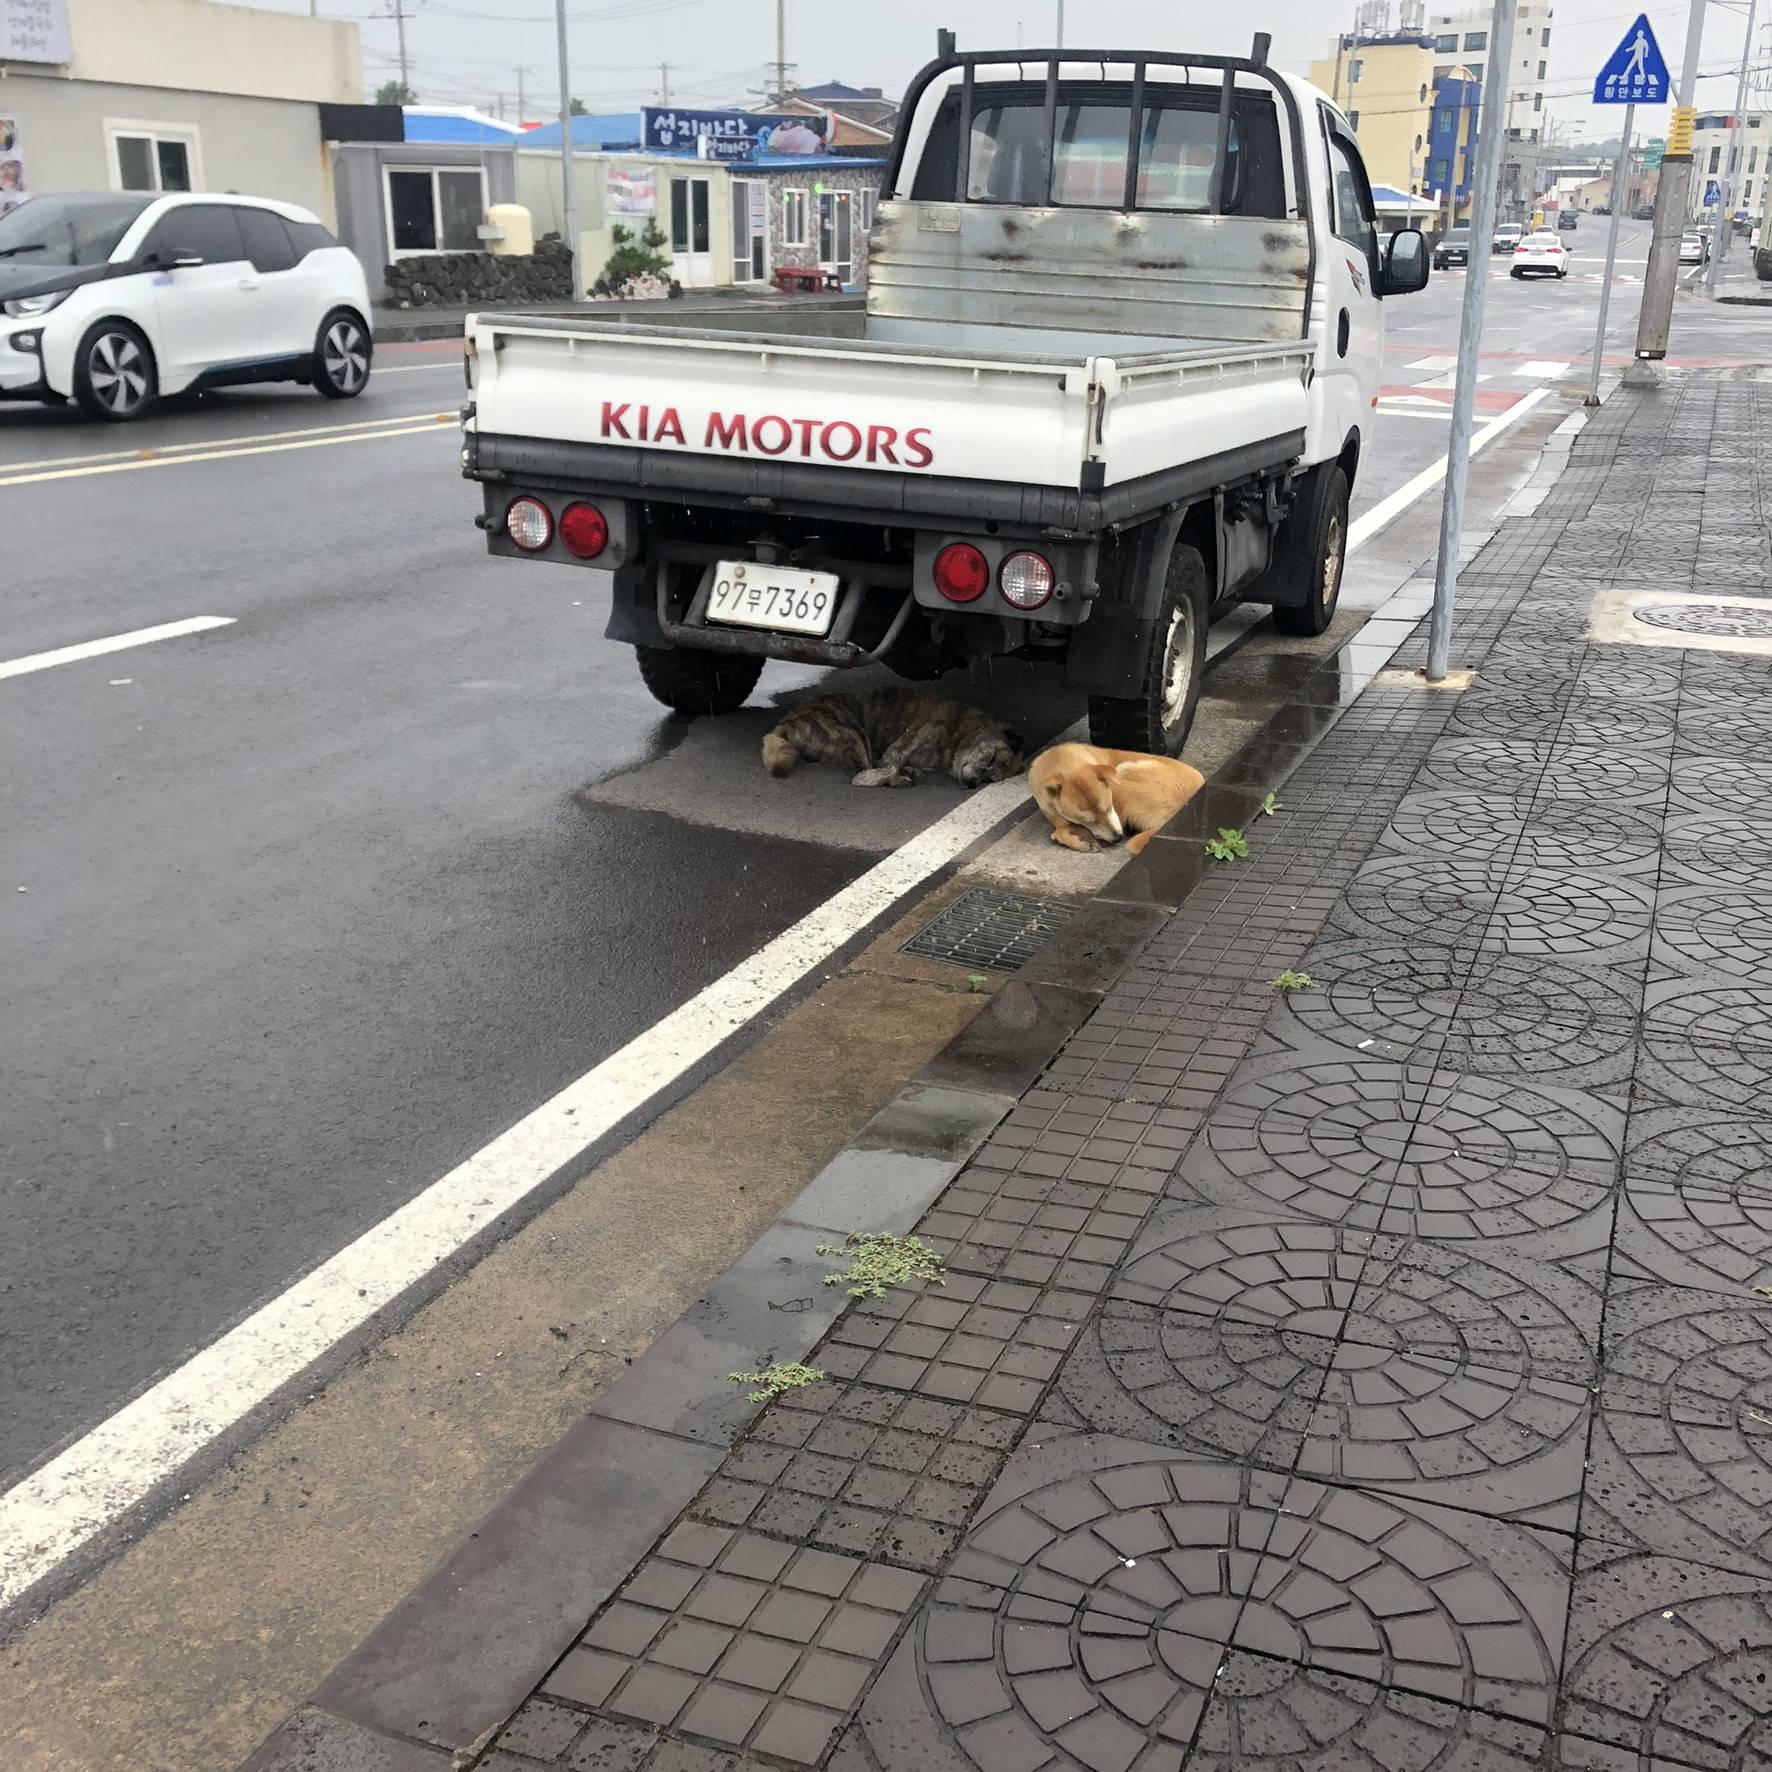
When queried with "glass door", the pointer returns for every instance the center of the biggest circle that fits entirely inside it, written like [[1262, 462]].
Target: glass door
[[691, 245], [836, 233], [750, 230]]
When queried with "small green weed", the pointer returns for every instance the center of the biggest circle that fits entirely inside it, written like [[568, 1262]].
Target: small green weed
[[1269, 805], [876, 1262], [976, 981], [1293, 981], [777, 1380], [1228, 845]]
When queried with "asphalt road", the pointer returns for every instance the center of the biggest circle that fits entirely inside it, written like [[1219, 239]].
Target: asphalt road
[[301, 911]]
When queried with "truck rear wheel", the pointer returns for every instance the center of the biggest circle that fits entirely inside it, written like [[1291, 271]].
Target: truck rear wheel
[[1158, 717], [698, 682], [1311, 551]]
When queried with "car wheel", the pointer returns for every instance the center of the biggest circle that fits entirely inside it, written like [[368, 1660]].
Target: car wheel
[[341, 357], [1319, 544], [1516, 272], [114, 375], [698, 682], [1564, 272], [1157, 719]]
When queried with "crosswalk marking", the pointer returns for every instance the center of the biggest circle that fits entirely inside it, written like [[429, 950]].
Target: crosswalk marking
[[1434, 363], [1449, 380], [1545, 368]]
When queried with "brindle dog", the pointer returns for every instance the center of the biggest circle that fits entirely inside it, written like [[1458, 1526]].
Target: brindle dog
[[887, 735]]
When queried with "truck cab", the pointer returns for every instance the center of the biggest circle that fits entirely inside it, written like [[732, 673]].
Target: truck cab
[[1119, 360]]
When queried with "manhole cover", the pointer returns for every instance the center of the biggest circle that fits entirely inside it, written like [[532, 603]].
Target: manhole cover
[[984, 927], [1737, 621]]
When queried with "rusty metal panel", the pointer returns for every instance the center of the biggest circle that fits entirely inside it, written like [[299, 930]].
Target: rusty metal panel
[[1208, 277]]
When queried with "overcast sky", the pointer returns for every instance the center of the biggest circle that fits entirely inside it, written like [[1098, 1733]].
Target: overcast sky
[[467, 51]]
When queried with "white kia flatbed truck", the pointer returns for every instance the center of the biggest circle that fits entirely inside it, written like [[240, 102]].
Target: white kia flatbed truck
[[1120, 358]]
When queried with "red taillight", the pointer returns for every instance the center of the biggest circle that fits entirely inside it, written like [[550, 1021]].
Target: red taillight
[[584, 531], [961, 572], [529, 523], [1520, 249], [1025, 579]]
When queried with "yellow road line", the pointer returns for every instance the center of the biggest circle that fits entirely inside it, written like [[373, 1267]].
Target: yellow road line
[[176, 461], [210, 443]]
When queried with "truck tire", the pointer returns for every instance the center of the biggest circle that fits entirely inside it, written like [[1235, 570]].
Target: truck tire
[[698, 682], [1311, 551], [1157, 718]]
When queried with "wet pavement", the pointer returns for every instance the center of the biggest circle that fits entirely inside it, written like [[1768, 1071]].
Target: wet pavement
[[1374, 1376]]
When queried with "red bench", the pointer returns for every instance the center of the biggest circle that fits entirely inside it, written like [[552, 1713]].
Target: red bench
[[790, 278]]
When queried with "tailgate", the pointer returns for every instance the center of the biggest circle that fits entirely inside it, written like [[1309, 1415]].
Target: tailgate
[[807, 402]]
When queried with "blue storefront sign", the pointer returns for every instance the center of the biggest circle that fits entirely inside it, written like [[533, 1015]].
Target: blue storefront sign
[[732, 135]]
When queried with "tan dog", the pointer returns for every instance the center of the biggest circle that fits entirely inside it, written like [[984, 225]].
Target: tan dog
[[1095, 797]]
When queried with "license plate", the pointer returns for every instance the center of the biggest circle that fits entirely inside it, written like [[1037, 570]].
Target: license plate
[[783, 598]]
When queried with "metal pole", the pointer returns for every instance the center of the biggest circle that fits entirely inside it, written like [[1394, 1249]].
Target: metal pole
[[1655, 316], [522, 109], [1731, 162], [568, 191], [1593, 380], [1491, 128], [781, 51], [400, 28], [1060, 42]]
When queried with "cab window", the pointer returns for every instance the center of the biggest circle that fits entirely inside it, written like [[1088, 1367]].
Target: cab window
[[1355, 220]]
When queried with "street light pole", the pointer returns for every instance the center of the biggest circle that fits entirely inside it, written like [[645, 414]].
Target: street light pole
[[568, 192], [1593, 380], [1491, 128], [1672, 199], [1731, 162]]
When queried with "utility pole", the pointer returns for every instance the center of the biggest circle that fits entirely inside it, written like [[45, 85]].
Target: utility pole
[[1672, 197], [522, 109], [664, 83], [568, 195], [400, 28], [1490, 132], [781, 52], [1731, 165], [1618, 172], [1060, 42]]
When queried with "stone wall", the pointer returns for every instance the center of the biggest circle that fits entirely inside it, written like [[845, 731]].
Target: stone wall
[[461, 279]]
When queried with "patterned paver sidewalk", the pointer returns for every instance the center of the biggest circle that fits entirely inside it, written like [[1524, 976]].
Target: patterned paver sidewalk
[[1376, 1377]]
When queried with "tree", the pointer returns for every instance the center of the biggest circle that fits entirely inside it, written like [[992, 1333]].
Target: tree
[[577, 108], [391, 92], [633, 258]]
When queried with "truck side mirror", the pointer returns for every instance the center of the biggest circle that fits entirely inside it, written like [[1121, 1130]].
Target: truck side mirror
[[1405, 263]]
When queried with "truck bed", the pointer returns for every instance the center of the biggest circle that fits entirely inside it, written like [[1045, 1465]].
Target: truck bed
[[689, 405]]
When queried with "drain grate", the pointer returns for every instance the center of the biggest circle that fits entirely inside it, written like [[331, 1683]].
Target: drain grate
[[999, 931], [1739, 621]]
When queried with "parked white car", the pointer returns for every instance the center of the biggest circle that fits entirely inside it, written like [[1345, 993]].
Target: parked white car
[[1542, 252], [1694, 249], [116, 298]]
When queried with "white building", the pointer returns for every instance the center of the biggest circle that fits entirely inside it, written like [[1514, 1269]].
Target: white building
[[1461, 39], [1710, 158], [174, 95]]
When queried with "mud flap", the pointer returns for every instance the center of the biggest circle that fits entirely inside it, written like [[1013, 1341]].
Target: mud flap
[[633, 609], [1108, 652]]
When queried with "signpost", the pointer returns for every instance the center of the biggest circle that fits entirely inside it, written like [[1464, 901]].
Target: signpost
[[1634, 72]]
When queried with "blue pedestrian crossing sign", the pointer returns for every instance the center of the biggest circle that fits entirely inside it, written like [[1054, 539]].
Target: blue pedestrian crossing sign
[[1635, 73], [1713, 194]]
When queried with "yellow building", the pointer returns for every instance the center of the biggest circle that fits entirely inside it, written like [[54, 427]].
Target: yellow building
[[1385, 85]]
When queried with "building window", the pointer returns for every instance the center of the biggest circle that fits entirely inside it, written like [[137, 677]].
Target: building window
[[1444, 73], [1353, 70], [1538, 101], [1716, 154], [1443, 119], [153, 157], [866, 200], [1353, 119], [1747, 194], [1542, 66], [1544, 40], [1422, 98], [435, 209], [1446, 45], [1418, 144], [1476, 39], [793, 217], [1438, 172], [1753, 159]]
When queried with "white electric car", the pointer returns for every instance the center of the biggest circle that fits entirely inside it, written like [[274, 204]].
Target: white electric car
[[116, 298]]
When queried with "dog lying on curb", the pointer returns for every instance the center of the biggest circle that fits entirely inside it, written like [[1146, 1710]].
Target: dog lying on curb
[[1093, 797], [888, 735]]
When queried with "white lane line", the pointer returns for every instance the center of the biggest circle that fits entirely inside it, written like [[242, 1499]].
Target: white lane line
[[167, 630], [1388, 509], [137, 464], [48, 1516], [207, 443], [454, 365]]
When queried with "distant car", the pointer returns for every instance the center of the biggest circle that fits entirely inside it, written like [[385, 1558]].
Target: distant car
[[1763, 263], [1454, 248], [1541, 253], [1694, 249], [1507, 237], [1602, 209], [1567, 220], [120, 297], [1643, 212]]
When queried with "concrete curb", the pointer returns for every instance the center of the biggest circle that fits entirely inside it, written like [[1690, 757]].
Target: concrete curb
[[448, 1667]]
